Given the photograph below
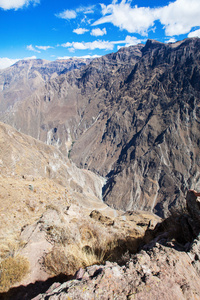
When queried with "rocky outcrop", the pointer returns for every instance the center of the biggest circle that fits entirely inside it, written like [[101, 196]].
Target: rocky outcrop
[[160, 273], [163, 269]]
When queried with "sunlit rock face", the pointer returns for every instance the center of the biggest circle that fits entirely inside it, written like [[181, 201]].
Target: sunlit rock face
[[131, 116]]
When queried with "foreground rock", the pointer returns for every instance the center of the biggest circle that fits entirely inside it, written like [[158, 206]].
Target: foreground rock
[[163, 269], [159, 273]]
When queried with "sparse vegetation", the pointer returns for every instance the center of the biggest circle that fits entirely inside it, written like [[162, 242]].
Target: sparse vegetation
[[12, 270], [84, 244], [69, 152], [81, 246], [67, 260]]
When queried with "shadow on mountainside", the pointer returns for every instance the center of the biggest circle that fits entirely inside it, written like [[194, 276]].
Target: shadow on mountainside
[[179, 229], [32, 290]]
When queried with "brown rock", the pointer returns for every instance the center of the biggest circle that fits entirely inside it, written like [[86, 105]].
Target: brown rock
[[193, 206], [96, 215], [160, 273]]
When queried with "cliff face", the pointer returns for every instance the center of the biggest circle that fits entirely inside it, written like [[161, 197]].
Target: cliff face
[[132, 116], [160, 160]]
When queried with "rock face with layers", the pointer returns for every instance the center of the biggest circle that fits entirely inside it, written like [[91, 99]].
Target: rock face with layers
[[132, 116]]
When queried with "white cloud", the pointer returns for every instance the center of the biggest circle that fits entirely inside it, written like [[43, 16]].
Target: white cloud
[[84, 56], [172, 40], [66, 45], [79, 46], [195, 33], [131, 41], [89, 56], [63, 57], [98, 32], [86, 9], [31, 48], [89, 45], [103, 45], [6, 62], [80, 30], [134, 20], [16, 4], [42, 47], [67, 14], [178, 17]]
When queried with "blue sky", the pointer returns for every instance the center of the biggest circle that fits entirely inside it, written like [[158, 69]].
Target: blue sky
[[55, 29]]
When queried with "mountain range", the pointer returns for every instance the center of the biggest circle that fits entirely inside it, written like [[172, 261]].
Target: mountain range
[[131, 117]]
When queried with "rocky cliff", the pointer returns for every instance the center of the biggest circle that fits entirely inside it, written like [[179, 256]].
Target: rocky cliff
[[130, 116]]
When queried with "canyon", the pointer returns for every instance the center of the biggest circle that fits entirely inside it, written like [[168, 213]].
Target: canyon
[[96, 158], [131, 117]]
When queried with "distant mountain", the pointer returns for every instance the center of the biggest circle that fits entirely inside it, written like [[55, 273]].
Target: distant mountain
[[24, 77], [131, 116]]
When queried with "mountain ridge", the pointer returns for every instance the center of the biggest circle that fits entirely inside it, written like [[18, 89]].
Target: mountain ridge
[[121, 116]]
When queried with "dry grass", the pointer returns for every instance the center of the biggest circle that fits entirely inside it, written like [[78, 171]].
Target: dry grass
[[84, 242], [81, 246], [12, 270], [75, 256], [19, 206]]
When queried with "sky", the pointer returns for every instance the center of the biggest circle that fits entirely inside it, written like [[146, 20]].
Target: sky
[[60, 29]]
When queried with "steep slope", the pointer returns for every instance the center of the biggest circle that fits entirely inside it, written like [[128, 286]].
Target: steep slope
[[132, 116], [160, 160], [33, 176]]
